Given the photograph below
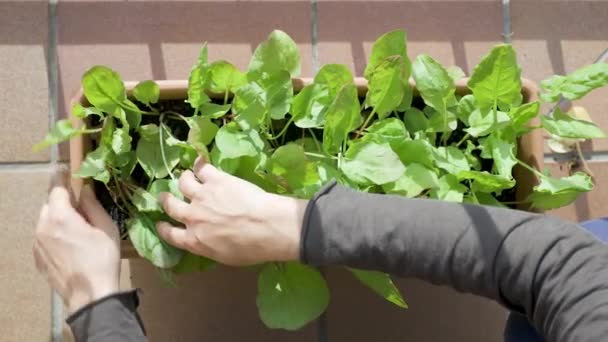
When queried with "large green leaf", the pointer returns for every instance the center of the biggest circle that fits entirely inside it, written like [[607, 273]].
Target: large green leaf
[[449, 189], [198, 80], [386, 86], [391, 130], [334, 77], [149, 152], [451, 159], [380, 283], [94, 165], [433, 82], [577, 84], [485, 121], [121, 140], [503, 153], [82, 112], [413, 182], [496, 80], [290, 163], [142, 234], [290, 295], [234, 142], [202, 132], [342, 117], [144, 201], [522, 115], [103, 88], [277, 53], [147, 92], [214, 110], [309, 106], [441, 122], [165, 185], [554, 193], [484, 181], [269, 96], [193, 263], [368, 162], [389, 44], [415, 120], [565, 126], [415, 151], [61, 131], [228, 165], [466, 106], [455, 73], [224, 77]]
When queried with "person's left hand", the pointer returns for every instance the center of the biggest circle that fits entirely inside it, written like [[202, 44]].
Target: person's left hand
[[77, 249]]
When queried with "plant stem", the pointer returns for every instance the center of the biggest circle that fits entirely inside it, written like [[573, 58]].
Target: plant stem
[[531, 169], [320, 155], [581, 157], [282, 131], [89, 131], [473, 192], [179, 116], [515, 202], [367, 121], [466, 136], [314, 138], [162, 147], [226, 97]]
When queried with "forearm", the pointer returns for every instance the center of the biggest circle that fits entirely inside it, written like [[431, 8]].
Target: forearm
[[553, 271], [113, 318]]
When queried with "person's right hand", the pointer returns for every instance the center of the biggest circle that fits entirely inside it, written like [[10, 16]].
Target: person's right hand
[[231, 220]]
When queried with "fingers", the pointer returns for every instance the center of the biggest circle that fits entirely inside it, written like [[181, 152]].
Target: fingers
[[93, 210], [177, 209], [188, 184], [175, 236], [205, 171], [60, 196], [38, 259]]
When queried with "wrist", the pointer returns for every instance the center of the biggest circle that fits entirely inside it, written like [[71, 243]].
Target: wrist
[[89, 293], [287, 217]]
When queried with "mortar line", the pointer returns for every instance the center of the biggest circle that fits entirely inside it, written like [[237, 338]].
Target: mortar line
[[27, 167], [507, 32], [53, 83], [591, 157], [322, 323], [314, 36]]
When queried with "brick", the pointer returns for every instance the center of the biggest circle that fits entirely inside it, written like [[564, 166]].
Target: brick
[[25, 307], [23, 80], [558, 37], [347, 30]]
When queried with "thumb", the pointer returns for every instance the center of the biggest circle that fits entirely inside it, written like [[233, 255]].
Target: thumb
[[93, 211]]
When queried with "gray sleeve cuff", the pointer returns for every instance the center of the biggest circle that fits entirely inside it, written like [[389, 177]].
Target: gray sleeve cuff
[[112, 318]]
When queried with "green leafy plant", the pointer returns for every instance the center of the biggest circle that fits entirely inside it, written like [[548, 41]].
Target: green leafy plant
[[427, 142]]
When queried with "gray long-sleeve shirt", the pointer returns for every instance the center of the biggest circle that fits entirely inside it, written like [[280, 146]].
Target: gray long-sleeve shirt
[[552, 271]]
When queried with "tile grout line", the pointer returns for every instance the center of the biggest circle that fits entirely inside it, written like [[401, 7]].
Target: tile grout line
[[314, 36], [507, 32], [322, 322], [52, 70]]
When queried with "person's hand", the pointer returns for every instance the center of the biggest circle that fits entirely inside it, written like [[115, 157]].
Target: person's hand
[[77, 249], [231, 220]]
